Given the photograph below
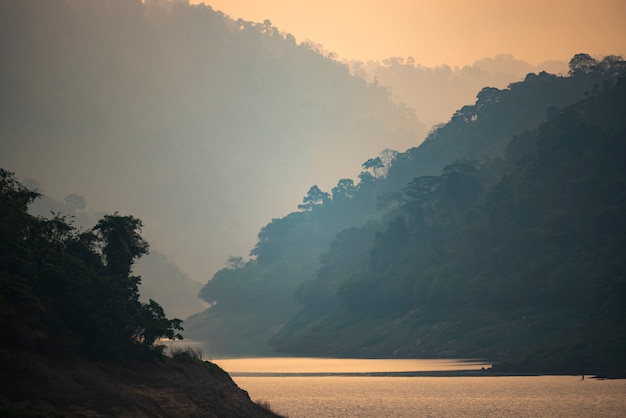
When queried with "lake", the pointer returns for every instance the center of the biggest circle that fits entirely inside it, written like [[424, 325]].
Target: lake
[[322, 387]]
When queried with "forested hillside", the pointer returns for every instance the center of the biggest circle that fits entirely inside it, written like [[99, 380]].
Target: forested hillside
[[182, 116], [76, 339], [442, 252]]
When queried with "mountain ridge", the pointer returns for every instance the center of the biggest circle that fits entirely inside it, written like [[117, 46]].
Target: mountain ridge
[[541, 294], [363, 283]]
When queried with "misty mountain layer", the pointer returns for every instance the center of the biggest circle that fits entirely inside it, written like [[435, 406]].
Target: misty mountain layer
[[436, 93], [202, 126]]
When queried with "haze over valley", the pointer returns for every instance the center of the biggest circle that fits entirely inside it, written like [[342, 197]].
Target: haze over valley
[[302, 201], [204, 127]]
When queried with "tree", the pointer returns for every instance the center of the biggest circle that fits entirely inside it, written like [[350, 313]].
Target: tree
[[366, 180], [582, 63], [421, 196], [14, 201], [387, 156], [235, 262], [153, 324], [57, 295], [488, 96], [120, 242], [345, 189], [314, 197], [373, 164]]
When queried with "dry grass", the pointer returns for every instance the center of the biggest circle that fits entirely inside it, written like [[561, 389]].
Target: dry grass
[[186, 353], [266, 405]]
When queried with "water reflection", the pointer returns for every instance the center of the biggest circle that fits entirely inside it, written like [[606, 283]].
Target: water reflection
[[350, 366], [249, 366], [511, 396], [348, 387]]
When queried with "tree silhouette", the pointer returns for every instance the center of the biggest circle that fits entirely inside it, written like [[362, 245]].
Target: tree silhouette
[[314, 197], [120, 242], [345, 189], [373, 164], [65, 292], [582, 63]]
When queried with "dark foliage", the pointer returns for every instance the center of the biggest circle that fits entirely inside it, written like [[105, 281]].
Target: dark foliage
[[493, 257], [549, 233], [539, 235], [67, 292]]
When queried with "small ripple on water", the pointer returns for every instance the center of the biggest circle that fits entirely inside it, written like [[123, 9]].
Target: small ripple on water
[[305, 387]]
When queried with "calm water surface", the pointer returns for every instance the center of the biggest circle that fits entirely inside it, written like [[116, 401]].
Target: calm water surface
[[299, 387]]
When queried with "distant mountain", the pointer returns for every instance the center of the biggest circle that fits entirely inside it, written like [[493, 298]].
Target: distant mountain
[[436, 93], [486, 240], [162, 280], [201, 126]]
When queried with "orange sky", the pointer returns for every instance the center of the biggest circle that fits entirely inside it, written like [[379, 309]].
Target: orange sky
[[454, 32]]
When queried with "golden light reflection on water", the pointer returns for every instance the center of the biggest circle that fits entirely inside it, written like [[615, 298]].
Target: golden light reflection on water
[[290, 392], [295, 365], [521, 396]]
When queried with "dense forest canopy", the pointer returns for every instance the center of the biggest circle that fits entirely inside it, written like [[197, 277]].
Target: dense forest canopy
[[454, 238], [528, 239], [501, 255], [66, 291]]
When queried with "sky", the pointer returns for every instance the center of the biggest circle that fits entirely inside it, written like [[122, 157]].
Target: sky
[[452, 32]]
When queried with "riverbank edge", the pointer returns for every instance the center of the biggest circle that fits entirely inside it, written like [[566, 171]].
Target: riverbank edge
[[452, 373], [37, 386], [497, 369]]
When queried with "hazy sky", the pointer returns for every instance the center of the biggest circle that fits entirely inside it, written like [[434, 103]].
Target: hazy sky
[[453, 32]]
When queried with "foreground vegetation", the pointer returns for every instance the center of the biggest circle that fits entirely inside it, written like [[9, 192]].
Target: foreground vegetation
[[76, 339], [66, 291]]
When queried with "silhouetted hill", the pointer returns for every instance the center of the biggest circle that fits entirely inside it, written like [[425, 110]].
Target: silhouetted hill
[[519, 258], [163, 281], [460, 257]]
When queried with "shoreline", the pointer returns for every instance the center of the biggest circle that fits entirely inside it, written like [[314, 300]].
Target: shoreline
[[492, 369], [448, 373], [441, 373]]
